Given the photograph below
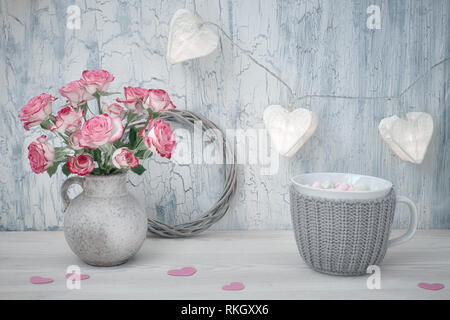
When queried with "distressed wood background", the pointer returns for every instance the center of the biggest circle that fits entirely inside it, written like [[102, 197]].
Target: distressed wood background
[[319, 47]]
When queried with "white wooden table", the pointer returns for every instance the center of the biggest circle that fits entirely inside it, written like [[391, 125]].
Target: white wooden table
[[267, 263]]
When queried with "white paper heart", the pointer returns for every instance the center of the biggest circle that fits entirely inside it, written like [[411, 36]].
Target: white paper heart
[[188, 38], [408, 137], [289, 130]]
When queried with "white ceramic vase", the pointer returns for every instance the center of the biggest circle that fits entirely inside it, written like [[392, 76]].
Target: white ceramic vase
[[104, 225]]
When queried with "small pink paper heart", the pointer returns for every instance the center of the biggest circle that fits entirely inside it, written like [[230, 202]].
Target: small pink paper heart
[[183, 272], [40, 280], [74, 276], [431, 286], [234, 286]]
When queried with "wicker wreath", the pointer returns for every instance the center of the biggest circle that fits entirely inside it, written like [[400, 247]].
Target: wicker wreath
[[218, 210]]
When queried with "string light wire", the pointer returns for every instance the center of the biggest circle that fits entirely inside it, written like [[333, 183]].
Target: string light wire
[[294, 98]]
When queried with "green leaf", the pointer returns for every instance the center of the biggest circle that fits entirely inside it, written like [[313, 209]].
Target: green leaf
[[156, 115], [52, 170], [144, 154], [97, 171], [115, 170], [108, 93], [132, 137], [131, 116], [97, 155], [148, 153], [140, 154], [107, 148], [152, 114], [118, 144], [46, 124], [60, 154], [65, 170], [138, 169], [84, 107]]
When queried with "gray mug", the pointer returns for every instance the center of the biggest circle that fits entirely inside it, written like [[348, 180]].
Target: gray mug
[[344, 232]]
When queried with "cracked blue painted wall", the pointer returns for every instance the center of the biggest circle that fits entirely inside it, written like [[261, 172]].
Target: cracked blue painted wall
[[319, 47]]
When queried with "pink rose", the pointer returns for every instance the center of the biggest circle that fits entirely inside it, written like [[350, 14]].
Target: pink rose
[[139, 99], [159, 137], [81, 165], [74, 140], [99, 130], [36, 110], [68, 120], [123, 158], [41, 155], [114, 110], [96, 80], [134, 99], [158, 100], [75, 93]]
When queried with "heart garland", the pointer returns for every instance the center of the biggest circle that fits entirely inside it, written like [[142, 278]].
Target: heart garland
[[189, 38], [408, 137], [289, 130]]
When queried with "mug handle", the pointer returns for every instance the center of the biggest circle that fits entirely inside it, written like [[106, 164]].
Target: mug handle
[[65, 186], [412, 223]]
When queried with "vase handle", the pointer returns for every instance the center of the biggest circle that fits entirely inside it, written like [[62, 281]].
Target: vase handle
[[65, 198]]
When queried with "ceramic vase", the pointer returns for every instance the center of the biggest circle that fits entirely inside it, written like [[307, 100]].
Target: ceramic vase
[[104, 225]]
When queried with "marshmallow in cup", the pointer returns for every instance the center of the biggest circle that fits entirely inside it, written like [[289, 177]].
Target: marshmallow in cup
[[335, 185]]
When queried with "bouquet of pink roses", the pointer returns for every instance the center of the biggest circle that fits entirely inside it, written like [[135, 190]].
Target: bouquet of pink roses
[[101, 144]]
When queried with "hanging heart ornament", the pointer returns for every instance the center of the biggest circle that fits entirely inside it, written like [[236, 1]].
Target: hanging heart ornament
[[189, 38], [289, 130], [408, 137]]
